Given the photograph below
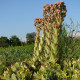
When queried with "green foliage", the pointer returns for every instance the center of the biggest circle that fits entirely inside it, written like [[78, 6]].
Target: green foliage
[[30, 37], [70, 41], [15, 41], [4, 41], [18, 71], [11, 55]]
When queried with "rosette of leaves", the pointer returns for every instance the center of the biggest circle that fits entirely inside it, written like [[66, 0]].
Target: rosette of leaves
[[17, 71]]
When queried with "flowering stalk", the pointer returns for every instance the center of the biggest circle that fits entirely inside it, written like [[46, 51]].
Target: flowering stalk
[[46, 49], [50, 24]]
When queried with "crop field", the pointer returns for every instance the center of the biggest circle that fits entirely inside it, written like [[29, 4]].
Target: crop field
[[11, 55], [15, 56]]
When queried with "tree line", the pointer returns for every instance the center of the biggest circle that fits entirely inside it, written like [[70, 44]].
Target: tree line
[[15, 41]]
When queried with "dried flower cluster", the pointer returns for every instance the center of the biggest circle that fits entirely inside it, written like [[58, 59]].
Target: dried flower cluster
[[53, 14]]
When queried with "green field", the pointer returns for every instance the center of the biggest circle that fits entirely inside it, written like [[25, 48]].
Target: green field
[[11, 55]]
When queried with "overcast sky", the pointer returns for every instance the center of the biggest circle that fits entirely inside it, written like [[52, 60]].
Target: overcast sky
[[17, 16]]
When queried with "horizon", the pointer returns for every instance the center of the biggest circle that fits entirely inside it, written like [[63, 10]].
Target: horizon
[[17, 17]]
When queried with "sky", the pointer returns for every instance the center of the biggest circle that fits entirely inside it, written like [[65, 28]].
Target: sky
[[17, 16]]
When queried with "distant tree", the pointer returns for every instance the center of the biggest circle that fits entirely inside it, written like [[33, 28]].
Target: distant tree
[[4, 41], [30, 37], [15, 41], [23, 43]]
